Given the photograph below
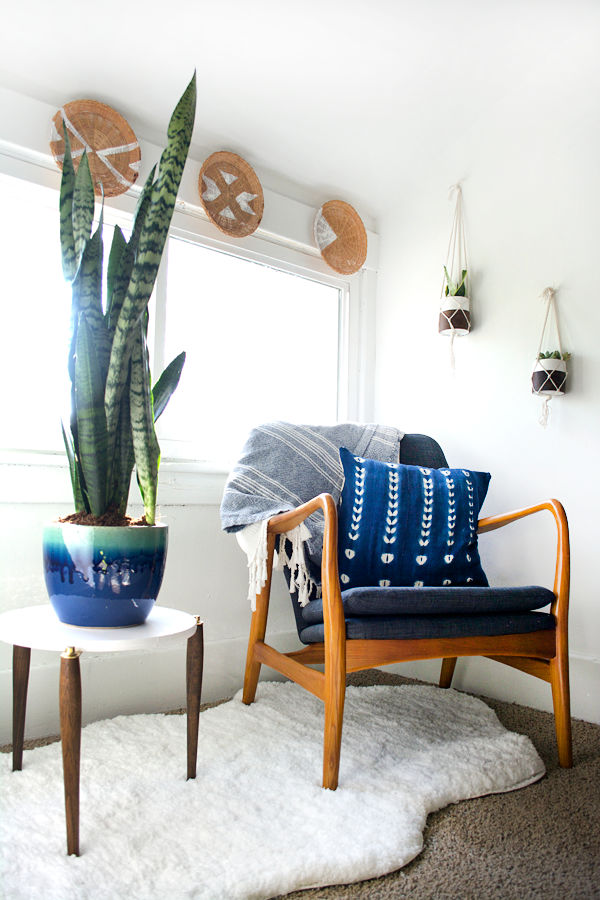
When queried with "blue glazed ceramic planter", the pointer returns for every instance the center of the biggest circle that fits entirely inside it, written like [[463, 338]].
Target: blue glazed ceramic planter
[[103, 576]]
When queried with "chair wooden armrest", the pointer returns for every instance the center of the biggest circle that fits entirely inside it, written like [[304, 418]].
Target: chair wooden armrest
[[560, 605]]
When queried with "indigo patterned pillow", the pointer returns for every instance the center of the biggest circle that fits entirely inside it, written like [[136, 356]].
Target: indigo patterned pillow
[[409, 525]]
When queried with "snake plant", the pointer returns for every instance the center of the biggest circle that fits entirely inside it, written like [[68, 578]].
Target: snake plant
[[458, 288], [113, 406]]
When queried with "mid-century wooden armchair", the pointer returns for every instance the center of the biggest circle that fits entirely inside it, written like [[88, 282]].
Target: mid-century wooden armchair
[[532, 641]]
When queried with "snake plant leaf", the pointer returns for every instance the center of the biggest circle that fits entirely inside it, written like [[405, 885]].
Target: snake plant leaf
[[117, 248], [73, 470], [67, 241], [151, 244], [91, 421], [450, 286], [87, 297], [122, 461], [119, 284], [83, 206], [455, 288], [166, 384], [145, 444]]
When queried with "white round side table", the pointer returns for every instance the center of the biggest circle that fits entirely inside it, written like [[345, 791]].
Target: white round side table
[[38, 628]]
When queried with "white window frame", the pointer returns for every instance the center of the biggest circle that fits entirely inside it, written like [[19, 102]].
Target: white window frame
[[357, 308]]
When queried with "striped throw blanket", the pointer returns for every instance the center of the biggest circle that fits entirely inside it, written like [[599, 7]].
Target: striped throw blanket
[[283, 465]]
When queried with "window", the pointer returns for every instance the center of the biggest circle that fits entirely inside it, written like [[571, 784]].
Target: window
[[35, 313], [36, 304], [266, 328], [262, 344]]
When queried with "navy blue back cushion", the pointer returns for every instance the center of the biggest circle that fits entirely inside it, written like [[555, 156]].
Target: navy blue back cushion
[[403, 525]]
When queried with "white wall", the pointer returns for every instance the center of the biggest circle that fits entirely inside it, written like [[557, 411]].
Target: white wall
[[531, 187]]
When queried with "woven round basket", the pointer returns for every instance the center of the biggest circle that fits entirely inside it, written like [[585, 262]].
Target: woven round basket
[[113, 150], [341, 237], [231, 193]]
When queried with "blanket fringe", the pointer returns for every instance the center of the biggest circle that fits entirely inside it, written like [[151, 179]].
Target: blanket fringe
[[257, 565], [300, 579]]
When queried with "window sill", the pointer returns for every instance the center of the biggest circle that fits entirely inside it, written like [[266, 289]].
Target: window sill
[[37, 477]]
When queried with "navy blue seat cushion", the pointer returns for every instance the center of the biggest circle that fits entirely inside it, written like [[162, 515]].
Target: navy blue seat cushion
[[434, 626], [403, 601], [402, 525]]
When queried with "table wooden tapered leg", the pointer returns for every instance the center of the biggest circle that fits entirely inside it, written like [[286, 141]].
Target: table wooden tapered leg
[[195, 663], [70, 733], [21, 660]]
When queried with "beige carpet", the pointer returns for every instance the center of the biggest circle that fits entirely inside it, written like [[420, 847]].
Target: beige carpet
[[541, 841]]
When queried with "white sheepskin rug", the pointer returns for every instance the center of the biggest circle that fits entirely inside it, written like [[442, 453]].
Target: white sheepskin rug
[[255, 823]]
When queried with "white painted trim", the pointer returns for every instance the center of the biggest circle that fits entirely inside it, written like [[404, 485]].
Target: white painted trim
[[24, 138], [156, 683], [44, 479], [492, 679]]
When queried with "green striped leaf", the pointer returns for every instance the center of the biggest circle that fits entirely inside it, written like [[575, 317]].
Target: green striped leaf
[[87, 297], [166, 384], [122, 461], [117, 249], [120, 283], [67, 241], [91, 422], [73, 470], [151, 244], [145, 444], [83, 206]]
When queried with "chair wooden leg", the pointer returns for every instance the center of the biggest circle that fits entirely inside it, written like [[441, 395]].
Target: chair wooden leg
[[448, 666], [559, 680], [335, 693], [21, 661], [258, 628]]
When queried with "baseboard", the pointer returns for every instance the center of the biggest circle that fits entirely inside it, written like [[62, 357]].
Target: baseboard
[[122, 684], [492, 679]]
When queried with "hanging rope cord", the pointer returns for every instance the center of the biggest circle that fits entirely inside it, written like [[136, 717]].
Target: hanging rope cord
[[457, 245], [549, 297], [456, 260]]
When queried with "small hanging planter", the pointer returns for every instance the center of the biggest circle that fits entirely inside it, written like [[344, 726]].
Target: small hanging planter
[[455, 312], [455, 305], [549, 377], [550, 374]]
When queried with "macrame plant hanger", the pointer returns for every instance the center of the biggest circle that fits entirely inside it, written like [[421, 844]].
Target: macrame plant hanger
[[455, 309], [549, 376]]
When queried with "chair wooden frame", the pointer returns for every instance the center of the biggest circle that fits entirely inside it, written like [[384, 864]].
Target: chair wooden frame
[[543, 654]]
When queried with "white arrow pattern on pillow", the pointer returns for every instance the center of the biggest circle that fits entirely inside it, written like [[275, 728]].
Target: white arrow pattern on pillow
[[391, 519], [357, 508], [471, 507], [427, 515]]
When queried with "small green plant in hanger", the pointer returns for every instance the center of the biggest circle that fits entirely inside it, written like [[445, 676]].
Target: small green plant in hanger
[[554, 354], [456, 288]]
